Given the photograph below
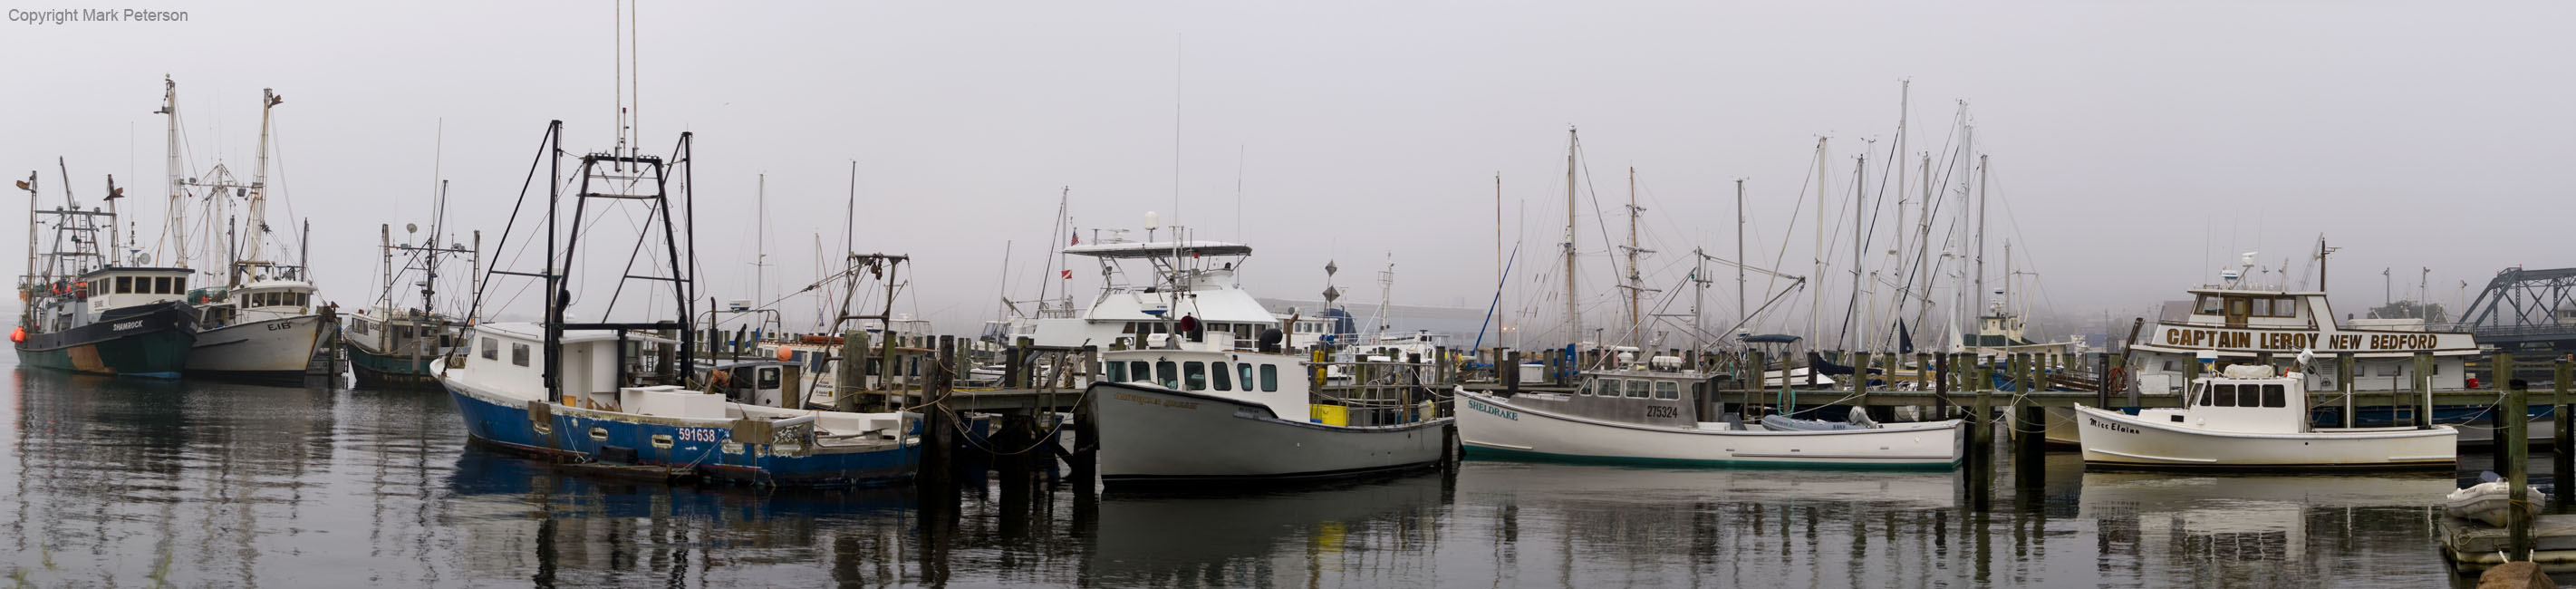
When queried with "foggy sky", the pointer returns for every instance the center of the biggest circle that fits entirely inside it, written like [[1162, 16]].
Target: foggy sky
[[2135, 147]]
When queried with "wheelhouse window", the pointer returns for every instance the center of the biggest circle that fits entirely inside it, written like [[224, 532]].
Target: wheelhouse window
[[1244, 370], [1637, 389], [1194, 375], [1117, 371], [519, 354], [161, 285], [2275, 396], [769, 377], [2208, 305], [1269, 378], [1140, 371], [2262, 307], [1224, 380], [2285, 307], [1168, 373], [1668, 390], [124, 284], [2223, 396], [492, 349]]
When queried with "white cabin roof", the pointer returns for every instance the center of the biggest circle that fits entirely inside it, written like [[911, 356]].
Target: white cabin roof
[[1150, 249], [530, 331]]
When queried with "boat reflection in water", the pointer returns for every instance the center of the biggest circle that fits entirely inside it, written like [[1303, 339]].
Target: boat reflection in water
[[1347, 533], [125, 481], [521, 517], [2261, 531]]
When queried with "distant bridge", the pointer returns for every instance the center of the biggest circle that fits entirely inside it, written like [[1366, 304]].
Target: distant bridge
[[2527, 312]]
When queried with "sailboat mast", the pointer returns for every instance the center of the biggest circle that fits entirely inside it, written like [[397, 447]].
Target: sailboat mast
[[1860, 259], [178, 227], [1816, 309], [1744, 314], [1498, 256], [1981, 248], [1573, 310]]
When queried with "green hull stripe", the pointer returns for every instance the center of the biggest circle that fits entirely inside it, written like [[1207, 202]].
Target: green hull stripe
[[1485, 453]]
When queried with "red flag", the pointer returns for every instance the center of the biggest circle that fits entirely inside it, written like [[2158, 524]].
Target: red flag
[[1068, 274], [1077, 239]]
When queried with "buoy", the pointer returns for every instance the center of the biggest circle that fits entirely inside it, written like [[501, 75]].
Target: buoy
[[18, 336], [786, 355]]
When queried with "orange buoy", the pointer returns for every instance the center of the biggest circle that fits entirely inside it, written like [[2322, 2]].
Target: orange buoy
[[785, 355], [19, 335]]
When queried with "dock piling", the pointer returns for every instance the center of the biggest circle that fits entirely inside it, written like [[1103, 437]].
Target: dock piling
[[2562, 458], [2514, 446]]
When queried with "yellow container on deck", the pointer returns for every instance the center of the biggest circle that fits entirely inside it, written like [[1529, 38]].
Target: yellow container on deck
[[1331, 414]]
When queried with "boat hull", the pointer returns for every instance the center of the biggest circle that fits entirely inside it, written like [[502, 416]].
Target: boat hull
[[1491, 427], [272, 351], [702, 447], [151, 341], [2117, 440], [390, 371], [1151, 435]]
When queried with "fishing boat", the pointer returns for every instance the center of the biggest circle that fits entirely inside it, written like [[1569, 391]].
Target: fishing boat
[[263, 323], [83, 312], [1650, 412], [1192, 411], [2248, 417], [2238, 321], [391, 345], [618, 397], [1189, 392]]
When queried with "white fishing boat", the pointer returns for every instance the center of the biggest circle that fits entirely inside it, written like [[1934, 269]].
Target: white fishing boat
[[1650, 413], [1194, 411], [2249, 417], [264, 323], [2239, 321]]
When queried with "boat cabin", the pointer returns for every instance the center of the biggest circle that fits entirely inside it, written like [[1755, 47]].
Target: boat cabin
[[401, 332], [117, 288], [766, 383], [2249, 400], [2244, 325], [1657, 392], [256, 301]]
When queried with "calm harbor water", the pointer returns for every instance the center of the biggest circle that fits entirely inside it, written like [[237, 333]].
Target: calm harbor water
[[127, 483]]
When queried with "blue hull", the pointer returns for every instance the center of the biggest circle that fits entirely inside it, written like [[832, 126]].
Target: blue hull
[[693, 449]]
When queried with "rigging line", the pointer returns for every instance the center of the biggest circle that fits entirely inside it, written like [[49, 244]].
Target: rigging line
[[2009, 219], [485, 280], [1801, 204]]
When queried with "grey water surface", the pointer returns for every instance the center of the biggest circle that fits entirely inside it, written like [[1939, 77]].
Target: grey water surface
[[128, 483]]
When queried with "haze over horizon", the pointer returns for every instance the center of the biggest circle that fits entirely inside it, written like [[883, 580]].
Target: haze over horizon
[[2135, 149]]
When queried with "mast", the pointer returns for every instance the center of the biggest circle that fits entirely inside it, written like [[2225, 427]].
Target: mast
[[258, 230], [178, 226], [1635, 286], [27, 308], [1699, 298], [1816, 309], [1860, 259], [1743, 314], [1499, 277], [1573, 310], [1981, 248]]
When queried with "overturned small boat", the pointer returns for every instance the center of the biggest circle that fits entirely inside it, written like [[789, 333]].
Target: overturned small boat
[[2490, 501]]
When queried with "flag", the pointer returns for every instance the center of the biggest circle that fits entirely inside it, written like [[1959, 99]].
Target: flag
[[1077, 239], [1068, 274]]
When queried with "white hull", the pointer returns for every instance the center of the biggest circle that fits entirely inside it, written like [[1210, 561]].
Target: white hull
[[1491, 425], [2117, 439], [274, 347], [1154, 434]]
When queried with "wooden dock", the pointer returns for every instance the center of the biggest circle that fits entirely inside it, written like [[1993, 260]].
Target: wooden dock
[[2475, 546]]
